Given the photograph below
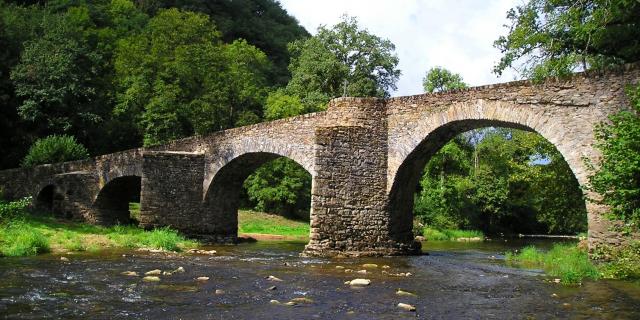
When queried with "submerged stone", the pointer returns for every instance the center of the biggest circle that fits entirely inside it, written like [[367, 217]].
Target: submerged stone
[[406, 307], [151, 279], [155, 272]]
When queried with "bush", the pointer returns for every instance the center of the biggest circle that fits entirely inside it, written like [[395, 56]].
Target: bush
[[450, 234], [624, 263], [14, 209], [54, 149], [164, 238], [21, 239]]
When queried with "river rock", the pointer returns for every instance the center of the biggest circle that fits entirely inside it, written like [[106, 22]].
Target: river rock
[[339, 267], [401, 292], [272, 278], [219, 291], [370, 265], [362, 271], [359, 282], [386, 267], [130, 273], [151, 279], [65, 259], [406, 307], [272, 288], [178, 270], [203, 252], [420, 239], [155, 272], [302, 300], [202, 278]]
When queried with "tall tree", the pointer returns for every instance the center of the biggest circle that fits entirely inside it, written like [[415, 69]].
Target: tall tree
[[556, 37], [342, 60], [178, 78], [440, 79]]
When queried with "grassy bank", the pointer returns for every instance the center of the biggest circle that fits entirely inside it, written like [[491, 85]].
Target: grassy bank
[[24, 234], [572, 265], [452, 234], [264, 223], [33, 235]]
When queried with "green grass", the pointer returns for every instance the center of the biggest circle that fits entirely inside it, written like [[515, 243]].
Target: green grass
[[450, 234], [21, 239], [258, 222], [564, 261], [37, 234]]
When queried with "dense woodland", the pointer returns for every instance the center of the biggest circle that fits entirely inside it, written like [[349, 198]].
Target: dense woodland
[[82, 78]]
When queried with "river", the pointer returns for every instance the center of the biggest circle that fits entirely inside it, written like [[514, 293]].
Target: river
[[455, 281]]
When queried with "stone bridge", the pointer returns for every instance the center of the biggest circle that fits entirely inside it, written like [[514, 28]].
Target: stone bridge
[[365, 157]]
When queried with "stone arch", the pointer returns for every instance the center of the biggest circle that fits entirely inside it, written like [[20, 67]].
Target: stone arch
[[49, 199], [111, 205], [221, 201], [564, 127]]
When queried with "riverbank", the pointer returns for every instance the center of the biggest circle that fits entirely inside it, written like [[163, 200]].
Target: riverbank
[[31, 235], [432, 234], [570, 264]]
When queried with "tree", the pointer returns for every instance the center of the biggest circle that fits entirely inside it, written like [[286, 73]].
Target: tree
[[617, 179], [440, 79], [179, 79], [342, 60], [53, 149], [556, 37]]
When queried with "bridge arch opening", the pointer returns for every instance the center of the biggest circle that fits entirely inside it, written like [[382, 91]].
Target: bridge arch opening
[[436, 169], [230, 190], [116, 201], [49, 200]]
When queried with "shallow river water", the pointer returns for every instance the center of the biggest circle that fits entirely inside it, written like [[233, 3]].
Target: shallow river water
[[455, 281]]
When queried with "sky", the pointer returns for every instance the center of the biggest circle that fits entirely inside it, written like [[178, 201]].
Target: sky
[[454, 34]]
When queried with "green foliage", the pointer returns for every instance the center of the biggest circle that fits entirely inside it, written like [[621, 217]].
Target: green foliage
[[163, 238], [180, 79], [432, 234], [624, 263], [617, 179], [257, 222], [501, 181], [564, 261], [281, 105], [343, 60], [18, 238], [554, 37], [13, 210], [53, 149], [280, 186], [440, 79]]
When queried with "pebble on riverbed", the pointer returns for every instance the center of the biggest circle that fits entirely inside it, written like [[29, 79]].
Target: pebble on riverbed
[[219, 291], [370, 265], [202, 278], [272, 278], [65, 259], [401, 292], [359, 282], [130, 273], [200, 251], [155, 272], [151, 279], [406, 307]]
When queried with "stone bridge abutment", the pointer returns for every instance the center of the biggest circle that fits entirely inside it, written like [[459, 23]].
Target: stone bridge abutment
[[364, 155]]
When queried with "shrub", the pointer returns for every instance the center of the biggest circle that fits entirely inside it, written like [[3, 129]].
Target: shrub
[[54, 149], [14, 209], [624, 263]]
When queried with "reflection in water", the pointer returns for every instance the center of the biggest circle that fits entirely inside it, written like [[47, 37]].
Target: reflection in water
[[457, 280]]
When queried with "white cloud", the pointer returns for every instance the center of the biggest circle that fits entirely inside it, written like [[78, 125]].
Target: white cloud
[[457, 35]]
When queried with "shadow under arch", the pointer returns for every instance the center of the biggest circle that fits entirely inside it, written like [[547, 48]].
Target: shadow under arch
[[112, 203], [222, 198], [49, 200], [410, 171]]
